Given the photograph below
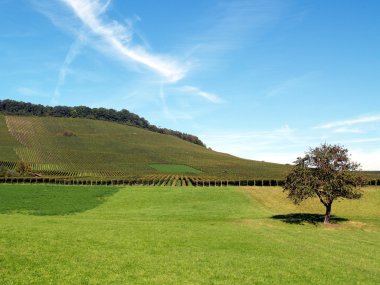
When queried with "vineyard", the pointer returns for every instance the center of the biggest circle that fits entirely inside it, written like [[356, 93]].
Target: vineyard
[[150, 180], [89, 149], [83, 148]]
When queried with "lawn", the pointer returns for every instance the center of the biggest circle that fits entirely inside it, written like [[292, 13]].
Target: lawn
[[48, 200], [154, 235]]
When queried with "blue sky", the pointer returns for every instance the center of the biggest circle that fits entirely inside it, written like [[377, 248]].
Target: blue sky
[[264, 80]]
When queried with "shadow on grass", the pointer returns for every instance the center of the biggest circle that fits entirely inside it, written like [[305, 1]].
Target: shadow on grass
[[49, 200], [303, 218]]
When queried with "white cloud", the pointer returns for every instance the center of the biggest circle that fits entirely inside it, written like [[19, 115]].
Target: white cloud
[[369, 159], [232, 22], [119, 37], [196, 91], [350, 122], [70, 56], [26, 91], [292, 85], [285, 144], [278, 157], [345, 130], [277, 145], [363, 140], [258, 137]]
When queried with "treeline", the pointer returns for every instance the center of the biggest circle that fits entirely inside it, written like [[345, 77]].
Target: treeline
[[124, 116]]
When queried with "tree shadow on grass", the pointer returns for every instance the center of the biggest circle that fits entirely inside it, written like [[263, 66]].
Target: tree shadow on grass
[[303, 218]]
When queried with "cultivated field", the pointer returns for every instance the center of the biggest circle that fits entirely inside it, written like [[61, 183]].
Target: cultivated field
[[92, 148], [150, 235]]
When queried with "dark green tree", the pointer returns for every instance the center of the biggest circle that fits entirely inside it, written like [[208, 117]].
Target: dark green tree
[[325, 172]]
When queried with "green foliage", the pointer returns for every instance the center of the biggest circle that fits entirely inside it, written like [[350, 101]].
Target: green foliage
[[123, 116], [145, 235], [23, 168], [325, 172], [175, 168], [51, 200]]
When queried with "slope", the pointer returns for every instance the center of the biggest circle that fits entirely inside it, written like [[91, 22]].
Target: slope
[[99, 148]]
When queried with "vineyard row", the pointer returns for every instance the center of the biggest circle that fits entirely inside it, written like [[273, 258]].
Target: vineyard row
[[173, 181]]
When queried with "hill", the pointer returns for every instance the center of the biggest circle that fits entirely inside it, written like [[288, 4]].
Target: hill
[[11, 107], [95, 148]]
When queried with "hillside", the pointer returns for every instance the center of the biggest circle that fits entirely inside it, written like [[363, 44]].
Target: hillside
[[85, 147], [11, 107]]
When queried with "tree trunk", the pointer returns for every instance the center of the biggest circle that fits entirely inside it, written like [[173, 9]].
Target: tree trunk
[[328, 213]]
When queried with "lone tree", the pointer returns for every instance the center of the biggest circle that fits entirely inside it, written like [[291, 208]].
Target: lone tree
[[325, 172], [23, 168]]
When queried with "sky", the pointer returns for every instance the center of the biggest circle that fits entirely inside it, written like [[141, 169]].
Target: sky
[[259, 79]]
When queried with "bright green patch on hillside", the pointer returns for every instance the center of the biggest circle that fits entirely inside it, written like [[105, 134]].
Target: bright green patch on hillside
[[51, 200], [148, 235], [101, 148], [175, 168]]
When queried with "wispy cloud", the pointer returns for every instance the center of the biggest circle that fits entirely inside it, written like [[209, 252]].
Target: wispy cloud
[[27, 91], [232, 21], [164, 104], [70, 56], [345, 130], [291, 85], [242, 143], [227, 27], [350, 122], [119, 38], [198, 92], [282, 145], [362, 140], [170, 114]]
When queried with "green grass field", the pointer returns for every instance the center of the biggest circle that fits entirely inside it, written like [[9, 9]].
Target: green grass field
[[149, 235], [99, 148], [45, 200]]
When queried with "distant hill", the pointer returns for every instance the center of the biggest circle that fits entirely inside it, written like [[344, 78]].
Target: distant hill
[[11, 107], [98, 148]]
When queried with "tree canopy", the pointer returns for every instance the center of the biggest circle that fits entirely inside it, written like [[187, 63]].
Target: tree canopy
[[123, 116], [325, 172]]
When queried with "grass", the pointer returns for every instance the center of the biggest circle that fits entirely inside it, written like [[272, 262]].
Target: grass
[[48, 200], [175, 168], [105, 146], [149, 235]]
